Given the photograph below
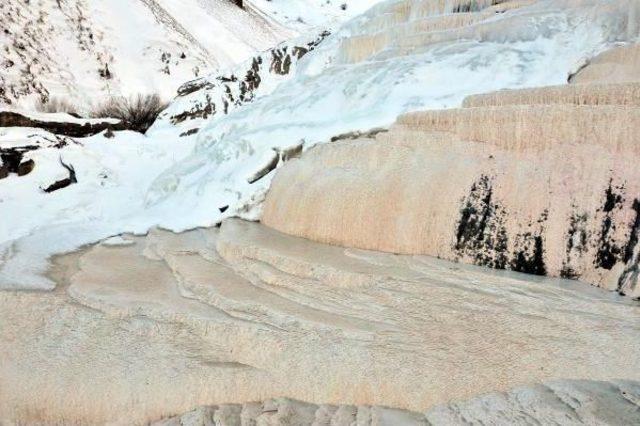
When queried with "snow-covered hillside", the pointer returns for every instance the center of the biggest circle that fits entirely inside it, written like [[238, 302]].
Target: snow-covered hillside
[[82, 50], [402, 55]]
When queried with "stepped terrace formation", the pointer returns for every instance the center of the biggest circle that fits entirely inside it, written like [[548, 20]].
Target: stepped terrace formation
[[167, 322], [542, 180]]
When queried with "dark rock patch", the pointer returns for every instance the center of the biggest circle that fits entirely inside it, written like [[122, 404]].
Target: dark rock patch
[[226, 91], [251, 81], [63, 183], [291, 153], [472, 6], [199, 110], [529, 258], [190, 132], [26, 167], [268, 168], [280, 61], [528, 255], [14, 119], [193, 86], [12, 161]]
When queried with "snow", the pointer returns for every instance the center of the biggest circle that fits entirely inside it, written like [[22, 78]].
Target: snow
[[132, 182], [302, 14], [62, 49], [58, 49]]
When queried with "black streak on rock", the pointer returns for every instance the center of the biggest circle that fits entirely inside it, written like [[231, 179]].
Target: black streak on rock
[[12, 161], [530, 258], [481, 233], [577, 243], [609, 251]]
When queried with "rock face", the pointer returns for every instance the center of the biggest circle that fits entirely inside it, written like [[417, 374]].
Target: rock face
[[201, 100], [543, 181], [146, 328], [68, 126]]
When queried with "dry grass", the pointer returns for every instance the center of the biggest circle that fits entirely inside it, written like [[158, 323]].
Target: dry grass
[[137, 113]]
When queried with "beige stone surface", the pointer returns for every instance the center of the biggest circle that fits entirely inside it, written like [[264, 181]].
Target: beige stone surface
[[141, 332], [572, 94], [617, 65]]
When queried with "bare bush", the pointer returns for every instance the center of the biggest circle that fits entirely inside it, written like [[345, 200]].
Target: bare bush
[[137, 113], [56, 105]]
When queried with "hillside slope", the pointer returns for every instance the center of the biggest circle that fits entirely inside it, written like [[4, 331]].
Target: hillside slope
[[82, 50]]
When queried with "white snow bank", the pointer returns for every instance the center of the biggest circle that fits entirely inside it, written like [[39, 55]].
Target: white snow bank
[[302, 14], [179, 183]]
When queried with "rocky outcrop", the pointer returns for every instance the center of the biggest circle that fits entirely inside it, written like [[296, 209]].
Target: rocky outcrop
[[144, 328], [17, 149], [59, 124], [542, 181], [204, 98]]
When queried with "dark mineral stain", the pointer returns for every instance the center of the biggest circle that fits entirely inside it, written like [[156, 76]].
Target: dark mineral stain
[[635, 229], [609, 251], [630, 276], [481, 233], [577, 243], [530, 259]]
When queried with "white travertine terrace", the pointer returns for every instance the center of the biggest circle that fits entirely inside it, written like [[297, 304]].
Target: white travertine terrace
[[145, 331], [537, 180], [619, 65], [588, 94], [407, 26]]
